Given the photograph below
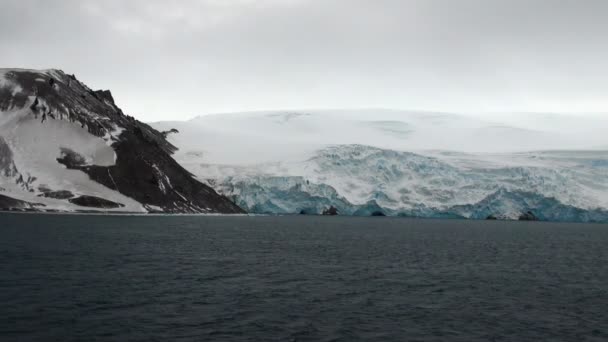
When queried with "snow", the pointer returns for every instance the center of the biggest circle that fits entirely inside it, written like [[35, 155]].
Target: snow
[[6, 82], [49, 72], [153, 208], [36, 140], [246, 138], [399, 180], [164, 183], [36, 147], [405, 162], [112, 136]]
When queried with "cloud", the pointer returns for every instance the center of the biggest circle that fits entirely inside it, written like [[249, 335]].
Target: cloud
[[165, 59], [154, 18]]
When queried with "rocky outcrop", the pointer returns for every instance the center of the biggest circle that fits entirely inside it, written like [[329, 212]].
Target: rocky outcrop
[[71, 159], [9, 203], [143, 170], [331, 211], [61, 194], [95, 202], [104, 95], [171, 131]]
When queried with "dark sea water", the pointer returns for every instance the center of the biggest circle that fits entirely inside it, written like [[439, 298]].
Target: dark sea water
[[96, 278]]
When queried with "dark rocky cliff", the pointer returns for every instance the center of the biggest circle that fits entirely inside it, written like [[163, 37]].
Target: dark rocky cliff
[[144, 169]]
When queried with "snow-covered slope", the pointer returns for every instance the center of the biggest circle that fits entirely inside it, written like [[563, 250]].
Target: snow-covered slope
[[66, 147], [245, 138], [398, 163]]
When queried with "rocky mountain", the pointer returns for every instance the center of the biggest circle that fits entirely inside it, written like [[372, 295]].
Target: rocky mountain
[[314, 160], [65, 147]]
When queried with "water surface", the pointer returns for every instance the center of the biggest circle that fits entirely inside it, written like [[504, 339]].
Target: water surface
[[108, 278]]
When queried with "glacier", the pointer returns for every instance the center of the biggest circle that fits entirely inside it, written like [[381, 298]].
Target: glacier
[[361, 180], [399, 164]]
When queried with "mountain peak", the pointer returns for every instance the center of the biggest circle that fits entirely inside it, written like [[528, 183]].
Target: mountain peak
[[56, 130]]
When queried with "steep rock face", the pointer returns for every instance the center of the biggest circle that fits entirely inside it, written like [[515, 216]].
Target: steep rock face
[[53, 126], [8, 203]]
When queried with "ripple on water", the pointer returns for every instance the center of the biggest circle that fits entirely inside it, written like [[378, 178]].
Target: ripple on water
[[73, 278]]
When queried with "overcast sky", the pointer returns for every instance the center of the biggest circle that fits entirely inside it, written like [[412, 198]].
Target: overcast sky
[[170, 60]]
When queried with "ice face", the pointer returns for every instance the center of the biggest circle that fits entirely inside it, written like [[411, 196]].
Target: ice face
[[361, 180], [421, 164]]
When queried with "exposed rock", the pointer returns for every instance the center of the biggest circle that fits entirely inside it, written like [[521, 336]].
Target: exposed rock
[[171, 131], [61, 194], [491, 217], [378, 213], [95, 202], [104, 95], [173, 189], [9, 203], [331, 211], [142, 153], [25, 182], [71, 159]]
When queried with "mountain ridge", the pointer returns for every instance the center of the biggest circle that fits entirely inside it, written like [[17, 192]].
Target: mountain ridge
[[50, 119]]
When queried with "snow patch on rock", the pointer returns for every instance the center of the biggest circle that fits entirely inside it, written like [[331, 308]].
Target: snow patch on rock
[[35, 147]]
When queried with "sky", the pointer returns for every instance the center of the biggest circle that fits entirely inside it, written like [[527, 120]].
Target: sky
[[173, 60]]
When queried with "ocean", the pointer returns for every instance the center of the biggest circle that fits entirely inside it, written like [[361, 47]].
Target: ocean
[[300, 278]]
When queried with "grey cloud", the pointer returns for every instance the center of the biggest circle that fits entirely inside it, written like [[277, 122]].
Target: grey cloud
[[177, 59]]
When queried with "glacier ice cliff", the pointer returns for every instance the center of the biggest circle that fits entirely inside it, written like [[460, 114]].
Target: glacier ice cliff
[[363, 180]]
